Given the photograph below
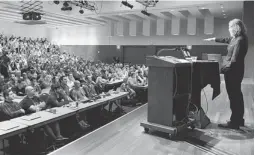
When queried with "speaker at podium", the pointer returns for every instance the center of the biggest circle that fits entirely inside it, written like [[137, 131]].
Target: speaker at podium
[[169, 92]]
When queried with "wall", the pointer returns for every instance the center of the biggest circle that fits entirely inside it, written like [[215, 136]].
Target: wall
[[248, 18], [103, 53], [87, 41], [33, 31], [99, 36]]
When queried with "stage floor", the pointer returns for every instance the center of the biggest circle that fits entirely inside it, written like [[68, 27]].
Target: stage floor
[[125, 136]]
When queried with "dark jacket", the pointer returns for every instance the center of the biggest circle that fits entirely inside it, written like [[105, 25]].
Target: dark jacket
[[237, 50], [52, 100]]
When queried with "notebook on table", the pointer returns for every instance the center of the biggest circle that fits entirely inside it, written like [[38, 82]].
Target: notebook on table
[[5, 126], [30, 117]]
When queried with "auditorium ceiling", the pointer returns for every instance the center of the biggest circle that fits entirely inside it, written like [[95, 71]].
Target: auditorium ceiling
[[114, 11]]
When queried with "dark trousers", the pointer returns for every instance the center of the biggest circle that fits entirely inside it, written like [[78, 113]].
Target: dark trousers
[[141, 94], [233, 80]]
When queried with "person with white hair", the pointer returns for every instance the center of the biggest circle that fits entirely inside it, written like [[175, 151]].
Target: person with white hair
[[233, 70]]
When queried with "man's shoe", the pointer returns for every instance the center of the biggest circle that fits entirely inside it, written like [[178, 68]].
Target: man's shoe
[[229, 125], [61, 138]]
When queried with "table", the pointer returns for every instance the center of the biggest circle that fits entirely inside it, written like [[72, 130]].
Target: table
[[102, 101], [113, 84], [10, 132], [45, 117]]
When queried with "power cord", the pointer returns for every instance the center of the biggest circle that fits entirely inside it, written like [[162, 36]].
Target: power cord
[[176, 82], [206, 101], [189, 100]]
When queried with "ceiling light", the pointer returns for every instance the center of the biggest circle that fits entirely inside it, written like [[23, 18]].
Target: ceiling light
[[65, 4], [224, 14], [145, 13], [127, 4], [223, 11], [221, 6], [56, 2], [66, 8], [81, 11]]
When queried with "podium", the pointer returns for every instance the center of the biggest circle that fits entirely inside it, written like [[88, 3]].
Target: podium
[[173, 85], [169, 93]]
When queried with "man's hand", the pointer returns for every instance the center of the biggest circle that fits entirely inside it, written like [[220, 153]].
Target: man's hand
[[42, 104], [22, 111]]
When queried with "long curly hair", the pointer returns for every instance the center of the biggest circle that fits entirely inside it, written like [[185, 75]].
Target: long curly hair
[[238, 27]]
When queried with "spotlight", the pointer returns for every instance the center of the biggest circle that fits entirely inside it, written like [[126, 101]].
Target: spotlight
[[81, 11], [56, 2], [127, 4], [66, 8], [145, 13], [65, 4]]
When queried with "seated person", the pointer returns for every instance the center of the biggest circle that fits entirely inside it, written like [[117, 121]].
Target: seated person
[[42, 76], [89, 87], [132, 81], [140, 91], [20, 88], [77, 93], [100, 84], [2, 83], [46, 82], [36, 85], [32, 74], [31, 104], [55, 80], [26, 81], [8, 110], [13, 79], [70, 81], [57, 97], [63, 84], [141, 79], [125, 88]]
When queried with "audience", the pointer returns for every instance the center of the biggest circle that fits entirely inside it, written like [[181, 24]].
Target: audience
[[36, 71]]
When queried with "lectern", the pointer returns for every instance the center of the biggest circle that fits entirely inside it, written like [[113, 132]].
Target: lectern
[[169, 94]]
